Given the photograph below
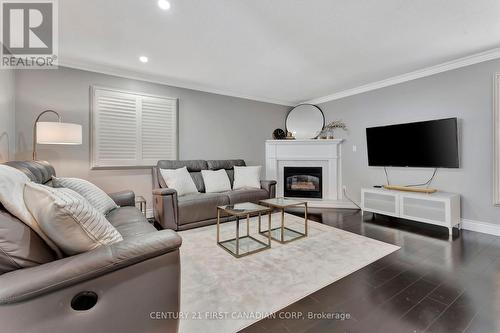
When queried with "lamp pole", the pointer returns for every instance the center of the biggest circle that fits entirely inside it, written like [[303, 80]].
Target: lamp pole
[[59, 119]]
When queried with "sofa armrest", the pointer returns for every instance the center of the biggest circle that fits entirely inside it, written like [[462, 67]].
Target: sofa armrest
[[34, 281], [123, 198], [269, 186], [165, 208], [164, 191]]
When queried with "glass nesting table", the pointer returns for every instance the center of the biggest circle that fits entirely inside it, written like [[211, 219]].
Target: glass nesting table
[[241, 246], [282, 233]]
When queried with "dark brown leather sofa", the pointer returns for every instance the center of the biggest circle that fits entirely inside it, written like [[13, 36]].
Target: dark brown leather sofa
[[200, 209], [116, 288]]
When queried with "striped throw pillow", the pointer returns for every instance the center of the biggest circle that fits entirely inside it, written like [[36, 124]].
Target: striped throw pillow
[[97, 197], [68, 219]]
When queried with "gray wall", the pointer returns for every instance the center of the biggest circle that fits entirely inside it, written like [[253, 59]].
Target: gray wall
[[7, 141], [210, 126], [466, 93]]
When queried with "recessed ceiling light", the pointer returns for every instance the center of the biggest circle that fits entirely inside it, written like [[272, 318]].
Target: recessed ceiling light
[[143, 59], [164, 4]]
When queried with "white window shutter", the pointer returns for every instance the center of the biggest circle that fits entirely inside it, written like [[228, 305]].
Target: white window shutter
[[159, 129], [132, 129]]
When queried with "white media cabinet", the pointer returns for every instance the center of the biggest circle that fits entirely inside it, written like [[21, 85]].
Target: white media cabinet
[[440, 208]]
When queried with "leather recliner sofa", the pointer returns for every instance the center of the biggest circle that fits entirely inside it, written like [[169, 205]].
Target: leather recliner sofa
[[117, 288], [200, 209]]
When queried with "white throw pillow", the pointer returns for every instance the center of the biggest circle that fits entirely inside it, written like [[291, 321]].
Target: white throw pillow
[[69, 219], [216, 181], [97, 197], [246, 177], [12, 182], [180, 180]]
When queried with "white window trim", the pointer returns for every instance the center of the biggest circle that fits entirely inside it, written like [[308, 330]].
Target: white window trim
[[93, 161], [496, 141]]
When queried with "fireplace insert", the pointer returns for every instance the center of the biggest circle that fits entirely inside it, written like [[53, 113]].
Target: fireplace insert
[[303, 182]]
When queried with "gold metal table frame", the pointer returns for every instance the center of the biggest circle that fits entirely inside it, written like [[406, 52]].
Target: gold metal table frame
[[282, 204], [237, 240]]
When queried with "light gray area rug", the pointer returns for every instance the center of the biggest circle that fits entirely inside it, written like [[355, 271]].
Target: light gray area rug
[[220, 293]]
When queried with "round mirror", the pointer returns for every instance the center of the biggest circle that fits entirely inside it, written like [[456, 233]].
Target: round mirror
[[305, 121]]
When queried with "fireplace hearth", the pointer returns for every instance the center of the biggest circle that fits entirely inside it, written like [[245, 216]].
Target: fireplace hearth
[[303, 182]]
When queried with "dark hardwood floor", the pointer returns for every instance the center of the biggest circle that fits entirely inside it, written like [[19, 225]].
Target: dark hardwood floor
[[432, 284]]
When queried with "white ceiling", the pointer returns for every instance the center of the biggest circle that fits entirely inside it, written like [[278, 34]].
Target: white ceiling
[[284, 51]]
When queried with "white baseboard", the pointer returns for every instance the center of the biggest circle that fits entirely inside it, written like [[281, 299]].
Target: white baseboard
[[479, 226]]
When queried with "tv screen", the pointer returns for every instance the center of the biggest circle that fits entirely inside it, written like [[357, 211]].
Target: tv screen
[[427, 144]]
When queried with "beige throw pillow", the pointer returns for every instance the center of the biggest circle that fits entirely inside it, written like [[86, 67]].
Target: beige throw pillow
[[68, 219], [246, 177], [180, 180], [12, 182], [216, 181]]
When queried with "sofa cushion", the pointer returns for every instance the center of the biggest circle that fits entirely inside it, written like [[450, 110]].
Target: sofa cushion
[[20, 246], [200, 206], [224, 164], [40, 172], [198, 181], [191, 165], [227, 165], [130, 221], [246, 195]]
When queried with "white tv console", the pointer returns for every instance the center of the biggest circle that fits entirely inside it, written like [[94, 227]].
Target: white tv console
[[439, 208]]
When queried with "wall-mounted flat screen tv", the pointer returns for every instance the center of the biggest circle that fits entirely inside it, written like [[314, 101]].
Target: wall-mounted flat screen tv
[[426, 144]]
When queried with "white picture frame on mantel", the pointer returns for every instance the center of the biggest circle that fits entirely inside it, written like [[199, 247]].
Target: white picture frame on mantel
[[496, 140]]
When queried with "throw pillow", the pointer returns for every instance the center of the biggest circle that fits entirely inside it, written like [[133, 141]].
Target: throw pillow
[[69, 219], [216, 181], [246, 177], [180, 180], [12, 182], [97, 197]]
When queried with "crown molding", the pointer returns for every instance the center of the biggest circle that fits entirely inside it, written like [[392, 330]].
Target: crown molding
[[444, 67], [159, 79]]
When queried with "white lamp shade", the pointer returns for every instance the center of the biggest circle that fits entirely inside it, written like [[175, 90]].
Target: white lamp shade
[[55, 133]]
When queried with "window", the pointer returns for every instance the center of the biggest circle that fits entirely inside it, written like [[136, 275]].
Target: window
[[132, 129]]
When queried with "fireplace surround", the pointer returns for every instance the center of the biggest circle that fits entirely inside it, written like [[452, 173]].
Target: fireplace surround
[[324, 154]]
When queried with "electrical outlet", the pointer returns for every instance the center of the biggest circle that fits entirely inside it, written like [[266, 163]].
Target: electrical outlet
[[354, 148]]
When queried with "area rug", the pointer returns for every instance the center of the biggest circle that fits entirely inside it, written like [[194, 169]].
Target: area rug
[[220, 293]]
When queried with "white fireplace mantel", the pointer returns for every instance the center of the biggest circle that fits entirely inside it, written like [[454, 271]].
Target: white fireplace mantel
[[326, 154]]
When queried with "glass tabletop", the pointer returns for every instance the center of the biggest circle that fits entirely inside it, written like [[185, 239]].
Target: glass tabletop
[[243, 208], [281, 202]]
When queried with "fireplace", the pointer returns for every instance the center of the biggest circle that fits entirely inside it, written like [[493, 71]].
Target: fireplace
[[303, 182]]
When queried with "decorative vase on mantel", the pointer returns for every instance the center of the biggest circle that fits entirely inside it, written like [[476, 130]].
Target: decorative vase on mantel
[[328, 131]]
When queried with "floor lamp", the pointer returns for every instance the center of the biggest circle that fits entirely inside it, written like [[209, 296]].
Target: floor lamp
[[55, 133]]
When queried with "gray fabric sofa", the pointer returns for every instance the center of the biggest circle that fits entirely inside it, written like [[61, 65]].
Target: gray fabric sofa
[[195, 210], [128, 281]]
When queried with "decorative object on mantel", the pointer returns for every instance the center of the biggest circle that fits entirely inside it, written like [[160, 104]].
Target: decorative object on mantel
[[279, 134], [290, 136], [328, 131], [305, 121]]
